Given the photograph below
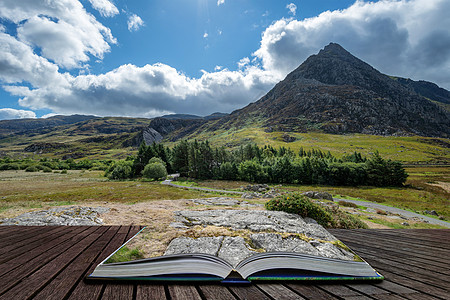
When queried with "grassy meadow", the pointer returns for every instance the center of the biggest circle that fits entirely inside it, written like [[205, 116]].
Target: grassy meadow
[[21, 190]]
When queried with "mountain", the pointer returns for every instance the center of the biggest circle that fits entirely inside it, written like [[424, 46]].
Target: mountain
[[8, 127], [335, 92], [426, 89]]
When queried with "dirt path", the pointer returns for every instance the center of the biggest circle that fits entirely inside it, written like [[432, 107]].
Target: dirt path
[[395, 210]]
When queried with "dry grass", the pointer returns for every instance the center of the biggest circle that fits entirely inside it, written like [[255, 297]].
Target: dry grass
[[20, 190]]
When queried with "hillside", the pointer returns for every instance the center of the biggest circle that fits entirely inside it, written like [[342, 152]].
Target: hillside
[[335, 92], [333, 101]]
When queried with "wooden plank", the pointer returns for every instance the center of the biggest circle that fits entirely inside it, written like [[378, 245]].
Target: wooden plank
[[10, 279], [377, 260], [93, 290], [183, 292], [278, 291], [418, 286], [404, 257], [16, 249], [155, 292], [18, 233], [310, 291], [217, 292], [24, 236], [406, 245], [30, 255], [248, 292], [118, 292], [340, 290], [39, 279], [65, 281]]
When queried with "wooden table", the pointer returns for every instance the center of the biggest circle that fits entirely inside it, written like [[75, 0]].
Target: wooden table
[[51, 262]]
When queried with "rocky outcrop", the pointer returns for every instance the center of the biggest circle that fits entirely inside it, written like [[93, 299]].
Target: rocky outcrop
[[254, 232], [44, 147], [254, 220], [318, 195], [72, 216]]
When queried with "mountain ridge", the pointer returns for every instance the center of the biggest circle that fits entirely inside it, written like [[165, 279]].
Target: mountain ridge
[[335, 92]]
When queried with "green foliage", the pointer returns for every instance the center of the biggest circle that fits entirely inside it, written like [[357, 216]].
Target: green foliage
[[155, 170], [32, 169], [125, 254], [9, 166], [120, 170], [157, 160], [381, 172], [252, 171], [301, 205], [344, 220], [46, 169]]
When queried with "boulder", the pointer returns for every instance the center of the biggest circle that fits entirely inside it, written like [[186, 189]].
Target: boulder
[[318, 195]]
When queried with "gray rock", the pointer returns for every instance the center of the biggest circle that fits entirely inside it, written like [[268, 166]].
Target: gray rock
[[234, 250], [255, 220], [318, 195], [251, 195], [431, 212], [275, 242], [74, 215], [371, 210], [208, 245], [178, 225], [405, 224]]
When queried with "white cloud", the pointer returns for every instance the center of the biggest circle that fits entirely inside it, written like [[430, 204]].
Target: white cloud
[[243, 62], [218, 68], [62, 29], [11, 113], [292, 8], [405, 38], [134, 22], [220, 2], [152, 90], [205, 35], [105, 7]]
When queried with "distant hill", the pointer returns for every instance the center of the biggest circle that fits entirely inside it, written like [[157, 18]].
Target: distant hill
[[215, 115], [335, 92], [27, 125]]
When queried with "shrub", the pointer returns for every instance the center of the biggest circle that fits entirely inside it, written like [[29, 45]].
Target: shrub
[[46, 169], [31, 169], [301, 205], [155, 170], [157, 160], [342, 219], [64, 171], [9, 166], [120, 170]]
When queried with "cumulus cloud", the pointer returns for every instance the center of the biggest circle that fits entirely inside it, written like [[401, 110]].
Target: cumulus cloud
[[152, 90], [405, 38], [63, 30], [220, 2], [134, 22], [292, 8], [105, 7], [11, 113], [205, 35]]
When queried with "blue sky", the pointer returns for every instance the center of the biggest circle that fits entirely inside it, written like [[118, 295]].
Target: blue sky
[[149, 58]]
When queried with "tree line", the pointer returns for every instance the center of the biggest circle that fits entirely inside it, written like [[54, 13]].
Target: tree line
[[199, 160]]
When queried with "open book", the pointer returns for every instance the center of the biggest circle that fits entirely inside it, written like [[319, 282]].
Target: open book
[[235, 246]]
